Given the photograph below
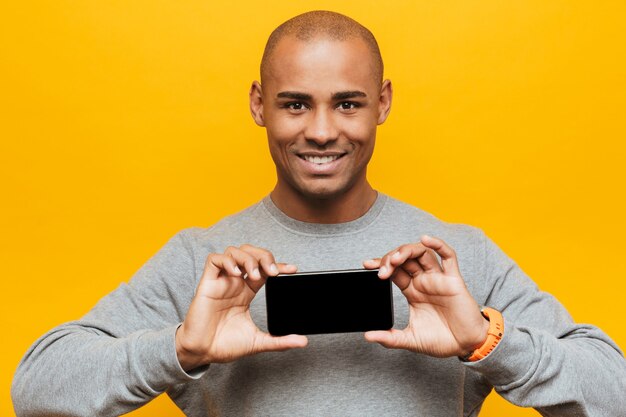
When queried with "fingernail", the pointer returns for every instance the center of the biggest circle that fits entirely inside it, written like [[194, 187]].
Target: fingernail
[[382, 270], [237, 270], [273, 269], [255, 273]]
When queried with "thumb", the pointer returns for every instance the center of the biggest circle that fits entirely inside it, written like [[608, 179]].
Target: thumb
[[388, 338], [269, 343]]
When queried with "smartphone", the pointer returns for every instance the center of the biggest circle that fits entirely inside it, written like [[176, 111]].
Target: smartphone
[[328, 302]]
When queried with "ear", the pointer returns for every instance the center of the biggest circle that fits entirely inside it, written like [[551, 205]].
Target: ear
[[256, 103], [384, 103]]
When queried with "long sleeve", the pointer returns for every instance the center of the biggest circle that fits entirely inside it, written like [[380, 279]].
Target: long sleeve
[[121, 354], [545, 360]]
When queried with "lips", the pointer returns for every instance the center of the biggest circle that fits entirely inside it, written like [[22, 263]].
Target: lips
[[320, 159], [325, 164]]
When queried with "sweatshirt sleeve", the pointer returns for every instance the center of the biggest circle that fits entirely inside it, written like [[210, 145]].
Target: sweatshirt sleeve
[[545, 360], [121, 354]]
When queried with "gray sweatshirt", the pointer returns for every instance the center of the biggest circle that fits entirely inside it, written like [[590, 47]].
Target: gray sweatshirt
[[122, 353]]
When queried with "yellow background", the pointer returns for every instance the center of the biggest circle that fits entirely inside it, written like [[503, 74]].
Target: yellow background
[[122, 122]]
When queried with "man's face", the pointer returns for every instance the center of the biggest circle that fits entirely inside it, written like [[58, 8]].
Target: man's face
[[320, 103]]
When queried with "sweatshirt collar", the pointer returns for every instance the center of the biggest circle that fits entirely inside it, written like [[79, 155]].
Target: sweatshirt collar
[[323, 228]]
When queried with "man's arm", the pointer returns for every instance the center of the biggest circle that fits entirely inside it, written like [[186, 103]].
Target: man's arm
[[132, 346], [118, 356], [544, 360]]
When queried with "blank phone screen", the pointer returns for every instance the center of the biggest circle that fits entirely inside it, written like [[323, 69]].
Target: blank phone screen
[[328, 302]]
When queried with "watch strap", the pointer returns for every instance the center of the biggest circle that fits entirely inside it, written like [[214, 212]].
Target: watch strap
[[494, 335]]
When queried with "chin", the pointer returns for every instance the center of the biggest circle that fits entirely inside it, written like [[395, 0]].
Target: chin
[[323, 192]]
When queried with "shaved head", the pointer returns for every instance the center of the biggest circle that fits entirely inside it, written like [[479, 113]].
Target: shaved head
[[321, 24]]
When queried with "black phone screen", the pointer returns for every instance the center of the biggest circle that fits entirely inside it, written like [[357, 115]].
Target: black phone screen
[[328, 302]]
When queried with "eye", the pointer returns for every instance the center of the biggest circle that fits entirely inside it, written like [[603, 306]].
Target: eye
[[348, 105], [295, 106]]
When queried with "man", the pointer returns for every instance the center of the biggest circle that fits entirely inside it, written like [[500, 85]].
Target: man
[[191, 322]]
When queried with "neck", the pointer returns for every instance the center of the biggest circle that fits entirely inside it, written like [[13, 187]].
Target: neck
[[333, 209]]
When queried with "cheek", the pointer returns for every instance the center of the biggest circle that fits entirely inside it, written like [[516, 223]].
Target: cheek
[[280, 139], [283, 130], [360, 132]]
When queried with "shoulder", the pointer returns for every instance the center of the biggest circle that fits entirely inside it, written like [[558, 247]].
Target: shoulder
[[399, 214], [236, 226]]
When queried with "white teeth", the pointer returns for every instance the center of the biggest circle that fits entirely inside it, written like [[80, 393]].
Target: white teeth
[[320, 159]]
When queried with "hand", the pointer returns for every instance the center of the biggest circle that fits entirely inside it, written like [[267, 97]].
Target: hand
[[444, 319], [218, 326]]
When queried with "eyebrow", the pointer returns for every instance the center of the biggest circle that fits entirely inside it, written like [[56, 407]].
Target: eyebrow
[[342, 95], [293, 95]]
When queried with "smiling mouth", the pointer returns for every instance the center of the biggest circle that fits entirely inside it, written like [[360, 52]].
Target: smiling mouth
[[319, 160]]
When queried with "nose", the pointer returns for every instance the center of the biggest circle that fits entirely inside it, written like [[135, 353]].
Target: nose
[[321, 127]]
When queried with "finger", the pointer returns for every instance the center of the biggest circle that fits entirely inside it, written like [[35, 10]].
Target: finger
[[372, 263], [447, 254], [285, 268], [269, 343], [216, 263], [220, 278], [264, 257], [255, 285], [401, 278], [259, 253], [412, 267], [386, 269], [406, 252], [399, 256], [429, 262], [246, 261]]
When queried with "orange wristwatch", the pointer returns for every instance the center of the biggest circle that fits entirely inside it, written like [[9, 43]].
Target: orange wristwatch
[[494, 334]]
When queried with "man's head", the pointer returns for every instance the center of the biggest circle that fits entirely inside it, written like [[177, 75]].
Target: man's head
[[321, 99], [322, 24]]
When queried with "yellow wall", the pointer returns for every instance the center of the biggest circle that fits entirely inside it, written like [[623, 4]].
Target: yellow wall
[[122, 122]]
